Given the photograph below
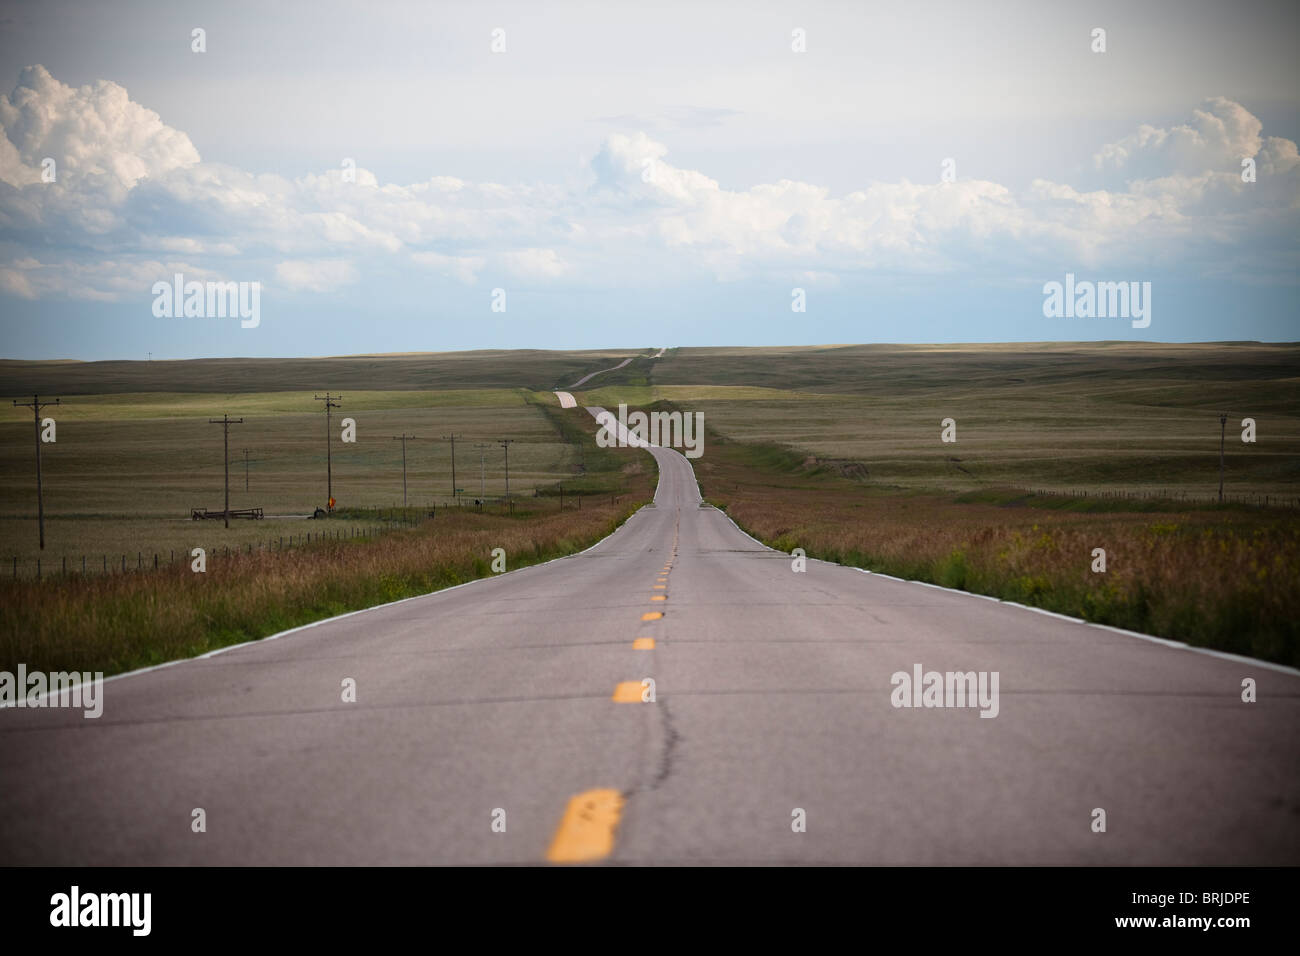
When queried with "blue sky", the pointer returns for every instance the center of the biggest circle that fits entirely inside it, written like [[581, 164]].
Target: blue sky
[[634, 176]]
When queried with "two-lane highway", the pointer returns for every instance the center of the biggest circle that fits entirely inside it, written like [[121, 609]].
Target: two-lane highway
[[502, 701]]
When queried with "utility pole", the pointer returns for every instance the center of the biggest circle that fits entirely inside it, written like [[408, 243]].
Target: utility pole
[[506, 443], [482, 469], [36, 405], [1223, 424], [245, 470], [331, 401], [403, 438], [452, 438], [225, 421]]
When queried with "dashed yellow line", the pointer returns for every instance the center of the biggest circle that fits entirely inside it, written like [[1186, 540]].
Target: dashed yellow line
[[661, 587], [659, 597], [643, 644], [627, 692], [652, 615], [586, 831]]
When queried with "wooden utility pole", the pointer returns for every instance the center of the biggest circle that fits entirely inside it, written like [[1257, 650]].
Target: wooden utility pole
[[452, 438], [36, 405], [482, 469], [225, 421], [331, 401], [403, 438], [1223, 425], [506, 443]]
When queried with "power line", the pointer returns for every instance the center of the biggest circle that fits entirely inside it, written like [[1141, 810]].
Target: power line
[[452, 438], [36, 405], [506, 443], [225, 421], [247, 462], [403, 438], [1223, 425], [482, 468], [331, 401]]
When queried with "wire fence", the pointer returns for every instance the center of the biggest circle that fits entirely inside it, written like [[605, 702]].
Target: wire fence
[[142, 561], [343, 527]]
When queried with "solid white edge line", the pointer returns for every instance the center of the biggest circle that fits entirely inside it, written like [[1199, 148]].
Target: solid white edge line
[[1165, 641]]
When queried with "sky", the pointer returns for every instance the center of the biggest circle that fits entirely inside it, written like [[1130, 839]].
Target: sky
[[440, 176]]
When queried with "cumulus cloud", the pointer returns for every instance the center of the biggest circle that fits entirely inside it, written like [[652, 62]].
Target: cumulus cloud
[[99, 138], [133, 195], [1218, 136]]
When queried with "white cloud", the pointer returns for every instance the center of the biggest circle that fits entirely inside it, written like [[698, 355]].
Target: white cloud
[[98, 137], [133, 192], [15, 283]]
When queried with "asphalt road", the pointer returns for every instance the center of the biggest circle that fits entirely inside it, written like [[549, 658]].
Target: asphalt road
[[773, 693], [614, 368]]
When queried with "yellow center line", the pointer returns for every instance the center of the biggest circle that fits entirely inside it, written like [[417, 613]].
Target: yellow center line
[[652, 615], [660, 587], [659, 597], [586, 831], [643, 644], [627, 692]]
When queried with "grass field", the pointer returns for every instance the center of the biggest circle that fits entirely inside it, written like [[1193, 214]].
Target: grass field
[[1073, 417], [119, 621], [128, 467], [1226, 578]]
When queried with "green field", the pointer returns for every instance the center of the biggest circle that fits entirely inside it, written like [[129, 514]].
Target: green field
[[127, 468], [135, 451], [1105, 417]]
